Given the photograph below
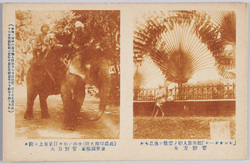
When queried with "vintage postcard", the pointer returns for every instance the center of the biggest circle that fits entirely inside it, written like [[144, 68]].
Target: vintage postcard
[[91, 82]]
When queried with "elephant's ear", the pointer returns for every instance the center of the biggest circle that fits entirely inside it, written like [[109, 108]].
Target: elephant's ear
[[76, 67]]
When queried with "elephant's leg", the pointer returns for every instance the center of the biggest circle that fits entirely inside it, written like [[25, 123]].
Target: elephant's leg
[[44, 106], [79, 95], [67, 100], [67, 93], [31, 95]]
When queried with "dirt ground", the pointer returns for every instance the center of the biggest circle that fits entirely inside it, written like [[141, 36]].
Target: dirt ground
[[108, 127], [177, 127]]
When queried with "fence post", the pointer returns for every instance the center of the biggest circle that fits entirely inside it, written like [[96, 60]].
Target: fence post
[[202, 95], [193, 92], [176, 95], [234, 92], [166, 96]]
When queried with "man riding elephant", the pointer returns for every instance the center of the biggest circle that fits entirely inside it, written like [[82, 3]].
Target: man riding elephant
[[40, 45], [85, 64], [63, 40], [81, 46], [41, 48], [59, 50]]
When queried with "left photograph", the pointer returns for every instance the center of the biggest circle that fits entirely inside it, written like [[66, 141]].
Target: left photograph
[[67, 74]]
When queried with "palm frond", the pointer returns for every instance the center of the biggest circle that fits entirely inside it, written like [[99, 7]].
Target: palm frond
[[191, 35], [173, 46], [147, 73]]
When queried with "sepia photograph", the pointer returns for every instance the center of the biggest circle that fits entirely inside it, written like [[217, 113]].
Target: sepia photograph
[[184, 75], [67, 74], [124, 81]]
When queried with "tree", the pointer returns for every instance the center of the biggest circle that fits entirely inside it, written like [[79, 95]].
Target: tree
[[172, 43], [28, 25], [24, 37], [147, 74], [102, 26], [217, 29]]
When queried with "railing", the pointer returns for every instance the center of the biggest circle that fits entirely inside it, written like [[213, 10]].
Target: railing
[[143, 94], [189, 92]]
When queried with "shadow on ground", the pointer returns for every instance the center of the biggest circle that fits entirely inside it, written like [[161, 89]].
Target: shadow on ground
[[107, 127]]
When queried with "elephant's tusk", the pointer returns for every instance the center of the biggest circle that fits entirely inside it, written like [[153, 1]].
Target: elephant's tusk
[[75, 71]]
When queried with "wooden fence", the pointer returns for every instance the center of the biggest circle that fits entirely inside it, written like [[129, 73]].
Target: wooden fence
[[189, 92]]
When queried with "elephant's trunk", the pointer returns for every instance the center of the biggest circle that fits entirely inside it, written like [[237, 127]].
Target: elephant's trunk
[[99, 114], [104, 95], [103, 85]]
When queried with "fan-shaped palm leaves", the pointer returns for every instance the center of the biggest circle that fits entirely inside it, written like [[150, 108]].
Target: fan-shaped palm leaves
[[183, 42], [148, 74], [218, 30], [173, 45]]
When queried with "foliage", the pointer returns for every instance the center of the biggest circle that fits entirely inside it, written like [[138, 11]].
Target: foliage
[[28, 24], [102, 26], [161, 37], [24, 36], [172, 44], [217, 29], [147, 74]]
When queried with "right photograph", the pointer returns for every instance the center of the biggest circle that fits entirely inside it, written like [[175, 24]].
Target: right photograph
[[184, 75]]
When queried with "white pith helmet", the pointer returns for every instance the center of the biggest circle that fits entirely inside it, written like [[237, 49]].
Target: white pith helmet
[[79, 24]]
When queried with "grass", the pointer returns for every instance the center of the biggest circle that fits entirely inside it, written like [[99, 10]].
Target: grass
[[177, 127]]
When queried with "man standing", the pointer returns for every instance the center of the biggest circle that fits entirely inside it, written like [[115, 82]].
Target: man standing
[[160, 99]]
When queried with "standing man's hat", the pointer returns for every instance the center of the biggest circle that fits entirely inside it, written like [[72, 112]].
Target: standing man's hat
[[44, 25]]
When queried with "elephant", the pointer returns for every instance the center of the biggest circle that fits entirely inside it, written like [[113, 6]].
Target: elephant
[[71, 86]]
